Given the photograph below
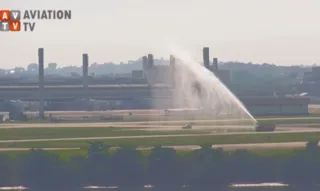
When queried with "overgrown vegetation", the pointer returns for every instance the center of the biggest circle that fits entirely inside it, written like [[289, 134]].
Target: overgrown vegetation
[[196, 139], [163, 167]]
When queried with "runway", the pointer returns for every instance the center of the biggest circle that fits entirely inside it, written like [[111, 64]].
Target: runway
[[251, 146], [226, 147], [153, 123]]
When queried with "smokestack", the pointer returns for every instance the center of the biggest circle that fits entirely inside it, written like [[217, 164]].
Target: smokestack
[[41, 81], [206, 58], [215, 64], [150, 61], [144, 66], [85, 64], [172, 65], [172, 60]]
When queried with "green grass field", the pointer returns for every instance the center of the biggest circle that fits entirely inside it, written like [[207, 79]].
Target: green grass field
[[169, 141], [71, 132], [74, 132]]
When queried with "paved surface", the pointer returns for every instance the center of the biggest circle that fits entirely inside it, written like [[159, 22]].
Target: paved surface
[[227, 147], [46, 149], [251, 146], [138, 123], [314, 108]]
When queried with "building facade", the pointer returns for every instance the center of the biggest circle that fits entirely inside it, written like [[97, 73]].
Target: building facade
[[276, 105]]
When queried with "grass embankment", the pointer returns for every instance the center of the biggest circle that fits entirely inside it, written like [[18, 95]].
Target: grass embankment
[[72, 132], [169, 141], [66, 155]]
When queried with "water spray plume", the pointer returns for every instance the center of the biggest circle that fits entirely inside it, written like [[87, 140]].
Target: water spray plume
[[199, 88]]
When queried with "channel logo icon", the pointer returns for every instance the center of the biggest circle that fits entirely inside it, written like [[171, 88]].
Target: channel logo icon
[[15, 26], [4, 15], [10, 20]]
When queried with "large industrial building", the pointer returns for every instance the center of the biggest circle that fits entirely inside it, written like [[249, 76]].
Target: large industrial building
[[273, 106], [156, 94]]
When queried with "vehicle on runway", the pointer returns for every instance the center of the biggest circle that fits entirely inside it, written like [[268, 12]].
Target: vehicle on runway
[[265, 127], [188, 126]]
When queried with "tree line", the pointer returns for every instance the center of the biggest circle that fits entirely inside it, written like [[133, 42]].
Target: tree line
[[162, 167]]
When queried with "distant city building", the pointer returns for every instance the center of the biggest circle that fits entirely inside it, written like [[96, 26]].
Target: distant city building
[[313, 76], [52, 66], [18, 70], [32, 67]]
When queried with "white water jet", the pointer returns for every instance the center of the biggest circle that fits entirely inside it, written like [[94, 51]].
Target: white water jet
[[13, 188], [275, 184], [200, 89]]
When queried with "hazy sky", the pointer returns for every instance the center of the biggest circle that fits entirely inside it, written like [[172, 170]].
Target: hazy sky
[[283, 32]]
